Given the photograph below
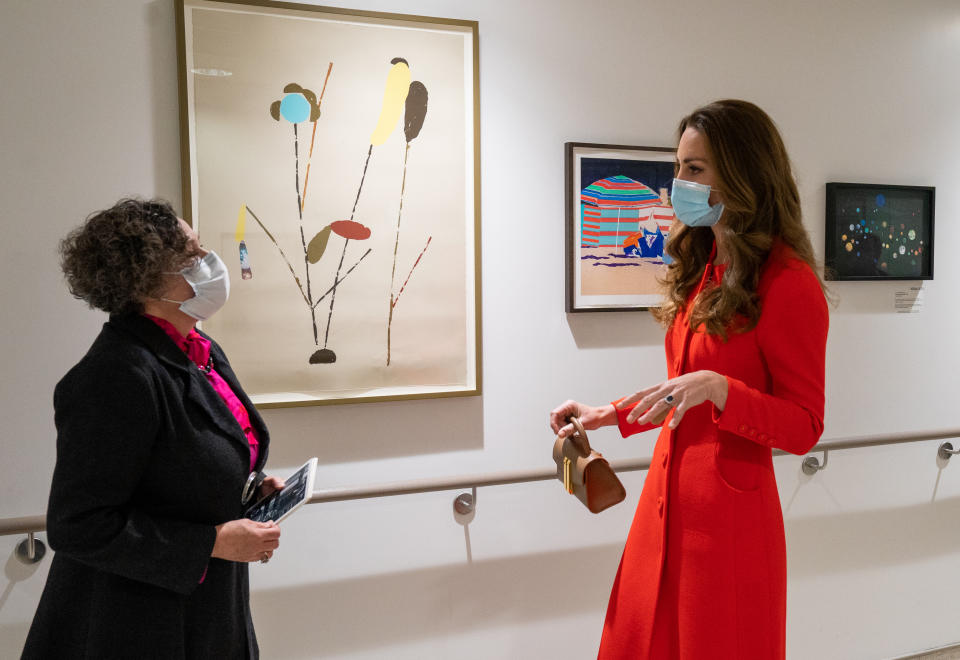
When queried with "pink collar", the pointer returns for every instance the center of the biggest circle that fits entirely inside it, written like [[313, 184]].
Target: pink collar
[[194, 345]]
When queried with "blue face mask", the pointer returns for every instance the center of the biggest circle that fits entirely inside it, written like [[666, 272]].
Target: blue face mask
[[692, 206]]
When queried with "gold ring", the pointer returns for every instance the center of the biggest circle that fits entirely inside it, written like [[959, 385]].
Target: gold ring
[[265, 558]]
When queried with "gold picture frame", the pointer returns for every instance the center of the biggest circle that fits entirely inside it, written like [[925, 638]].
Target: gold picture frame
[[362, 281]]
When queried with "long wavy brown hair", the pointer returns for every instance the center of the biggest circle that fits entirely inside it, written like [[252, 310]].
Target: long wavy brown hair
[[761, 204]]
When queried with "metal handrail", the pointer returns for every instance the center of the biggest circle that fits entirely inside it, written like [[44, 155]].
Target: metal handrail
[[28, 524], [24, 525], [457, 483]]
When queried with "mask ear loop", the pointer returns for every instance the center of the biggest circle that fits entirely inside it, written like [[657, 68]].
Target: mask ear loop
[[196, 262]]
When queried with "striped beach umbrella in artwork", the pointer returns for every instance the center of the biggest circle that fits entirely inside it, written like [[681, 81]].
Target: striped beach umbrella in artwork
[[611, 209]]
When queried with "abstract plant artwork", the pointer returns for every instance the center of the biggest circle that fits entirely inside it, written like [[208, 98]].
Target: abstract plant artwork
[[618, 221], [332, 153], [879, 232]]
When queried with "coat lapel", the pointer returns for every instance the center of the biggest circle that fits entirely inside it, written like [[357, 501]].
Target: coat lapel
[[683, 318], [197, 388], [202, 393]]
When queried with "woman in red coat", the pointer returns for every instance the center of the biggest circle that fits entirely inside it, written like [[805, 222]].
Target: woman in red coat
[[703, 573]]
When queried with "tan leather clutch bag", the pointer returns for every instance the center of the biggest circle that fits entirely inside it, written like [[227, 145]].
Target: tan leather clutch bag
[[586, 473]]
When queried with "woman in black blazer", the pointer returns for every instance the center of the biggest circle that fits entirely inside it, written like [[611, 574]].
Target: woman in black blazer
[[156, 450]]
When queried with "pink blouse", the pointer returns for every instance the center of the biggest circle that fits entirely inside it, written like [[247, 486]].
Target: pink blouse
[[197, 349]]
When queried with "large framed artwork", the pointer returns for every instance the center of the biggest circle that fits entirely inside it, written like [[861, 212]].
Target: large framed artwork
[[331, 157], [618, 216], [879, 232]]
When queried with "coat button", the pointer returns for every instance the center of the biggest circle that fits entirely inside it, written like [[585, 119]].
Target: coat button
[[743, 428], [753, 432], [660, 506], [665, 456], [763, 437]]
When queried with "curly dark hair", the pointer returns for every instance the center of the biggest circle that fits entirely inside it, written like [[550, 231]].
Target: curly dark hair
[[117, 257]]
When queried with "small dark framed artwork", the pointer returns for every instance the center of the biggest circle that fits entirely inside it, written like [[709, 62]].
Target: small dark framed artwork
[[618, 217], [879, 232]]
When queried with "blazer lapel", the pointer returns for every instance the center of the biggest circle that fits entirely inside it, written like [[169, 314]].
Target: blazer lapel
[[203, 394], [197, 388]]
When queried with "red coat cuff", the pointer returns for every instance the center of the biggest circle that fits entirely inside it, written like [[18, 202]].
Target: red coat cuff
[[733, 417], [740, 415], [627, 428]]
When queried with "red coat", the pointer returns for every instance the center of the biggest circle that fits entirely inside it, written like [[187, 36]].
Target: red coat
[[703, 573]]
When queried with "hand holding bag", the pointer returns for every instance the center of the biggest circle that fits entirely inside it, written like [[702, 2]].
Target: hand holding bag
[[586, 473]]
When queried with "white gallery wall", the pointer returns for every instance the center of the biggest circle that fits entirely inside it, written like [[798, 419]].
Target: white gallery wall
[[863, 90]]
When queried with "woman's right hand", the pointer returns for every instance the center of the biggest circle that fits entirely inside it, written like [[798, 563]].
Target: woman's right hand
[[245, 540], [591, 417]]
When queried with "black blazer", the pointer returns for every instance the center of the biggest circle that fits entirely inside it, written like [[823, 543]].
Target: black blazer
[[149, 460]]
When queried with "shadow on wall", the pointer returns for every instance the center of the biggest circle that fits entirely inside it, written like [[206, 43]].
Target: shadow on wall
[[615, 329], [13, 636], [370, 431], [885, 537], [383, 610]]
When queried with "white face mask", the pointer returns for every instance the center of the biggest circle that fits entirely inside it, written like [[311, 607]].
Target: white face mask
[[210, 281]]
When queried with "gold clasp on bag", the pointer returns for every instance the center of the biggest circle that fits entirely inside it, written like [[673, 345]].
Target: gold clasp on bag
[[576, 461]]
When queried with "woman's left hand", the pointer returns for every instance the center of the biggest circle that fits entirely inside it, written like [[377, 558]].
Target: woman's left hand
[[271, 484], [688, 390]]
